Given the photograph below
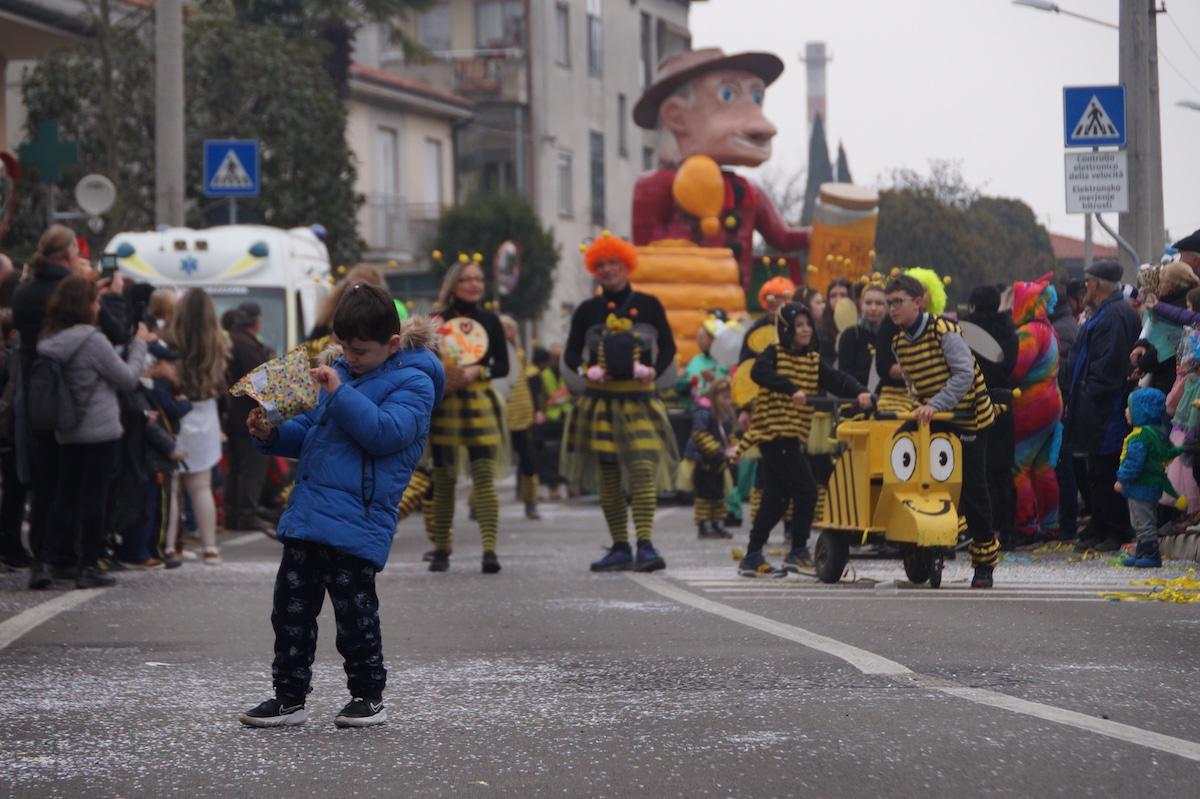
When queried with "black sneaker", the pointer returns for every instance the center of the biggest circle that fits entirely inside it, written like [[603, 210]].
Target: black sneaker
[[361, 712], [440, 561], [732, 521], [39, 577], [278, 712], [91, 577], [982, 578], [491, 564]]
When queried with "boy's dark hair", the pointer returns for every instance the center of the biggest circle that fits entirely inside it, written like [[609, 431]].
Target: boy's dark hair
[[906, 283], [986, 299], [1193, 299], [541, 356], [366, 313]]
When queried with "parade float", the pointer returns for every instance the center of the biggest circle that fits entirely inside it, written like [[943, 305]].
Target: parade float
[[694, 219]]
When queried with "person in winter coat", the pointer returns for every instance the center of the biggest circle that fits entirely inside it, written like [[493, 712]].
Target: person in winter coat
[[984, 307], [1154, 352], [357, 450], [1094, 420], [1142, 476], [57, 257], [247, 466], [94, 374], [1038, 410]]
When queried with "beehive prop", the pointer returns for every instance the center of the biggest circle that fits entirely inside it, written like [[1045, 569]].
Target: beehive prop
[[689, 281]]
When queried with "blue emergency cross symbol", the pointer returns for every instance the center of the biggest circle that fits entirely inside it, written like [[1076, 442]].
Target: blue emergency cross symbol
[[189, 265]]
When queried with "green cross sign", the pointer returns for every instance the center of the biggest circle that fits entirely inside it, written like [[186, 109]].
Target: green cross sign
[[47, 154]]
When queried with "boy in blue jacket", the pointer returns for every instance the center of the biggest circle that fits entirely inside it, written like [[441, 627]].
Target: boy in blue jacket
[[357, 450], [1142, 475]]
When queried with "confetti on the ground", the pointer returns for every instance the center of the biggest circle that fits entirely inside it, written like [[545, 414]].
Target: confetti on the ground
[[1181, 590]]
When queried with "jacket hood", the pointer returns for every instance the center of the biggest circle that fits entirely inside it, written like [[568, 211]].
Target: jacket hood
[[785, 324], [1147, 406], [1033, 300], [64, 343]]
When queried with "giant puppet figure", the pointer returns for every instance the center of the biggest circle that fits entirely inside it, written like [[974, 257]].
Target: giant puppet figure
[[707, 109]]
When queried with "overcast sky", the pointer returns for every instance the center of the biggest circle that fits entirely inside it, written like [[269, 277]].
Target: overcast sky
[[975, 81]]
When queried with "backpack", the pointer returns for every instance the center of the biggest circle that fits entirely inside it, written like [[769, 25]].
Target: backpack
[[57, 409]]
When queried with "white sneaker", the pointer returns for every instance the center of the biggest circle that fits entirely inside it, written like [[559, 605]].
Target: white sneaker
[[212, 557]]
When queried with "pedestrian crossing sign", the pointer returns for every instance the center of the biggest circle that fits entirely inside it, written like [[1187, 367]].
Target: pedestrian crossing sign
[[1094, 116], [231, 168]]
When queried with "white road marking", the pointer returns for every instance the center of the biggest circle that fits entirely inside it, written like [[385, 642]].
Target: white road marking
[[871, 663], [243, 539], [26, 620]]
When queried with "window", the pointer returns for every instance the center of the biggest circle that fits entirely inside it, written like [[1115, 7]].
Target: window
[[672, 40], [562, 31], [433, 28], [595, 31], [433, 172], [597, 166], [498, 24], [387, 161], [646, 51], [622, 126], [566, 188], [648, 158]]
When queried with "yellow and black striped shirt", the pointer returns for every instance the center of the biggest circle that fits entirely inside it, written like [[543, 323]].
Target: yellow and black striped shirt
[[781, 372], [927, 370]]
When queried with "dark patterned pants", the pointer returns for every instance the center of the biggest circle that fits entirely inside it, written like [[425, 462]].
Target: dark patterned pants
[[306, 572]]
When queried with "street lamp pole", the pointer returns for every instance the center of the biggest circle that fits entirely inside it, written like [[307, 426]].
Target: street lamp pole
[[168, 113], [1143, 225]]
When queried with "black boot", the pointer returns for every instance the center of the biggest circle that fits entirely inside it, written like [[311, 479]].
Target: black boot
[[982, 578], [39, 576], [531, 511], [440, 561]]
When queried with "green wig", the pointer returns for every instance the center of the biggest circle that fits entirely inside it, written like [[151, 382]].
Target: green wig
[[935, 289]]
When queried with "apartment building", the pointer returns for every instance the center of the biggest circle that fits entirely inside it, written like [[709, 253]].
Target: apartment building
[[553, 83]]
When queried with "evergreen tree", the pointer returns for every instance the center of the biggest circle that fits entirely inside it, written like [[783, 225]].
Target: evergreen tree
[[843, 166], [481, 225], [819, 169], [242, 81]]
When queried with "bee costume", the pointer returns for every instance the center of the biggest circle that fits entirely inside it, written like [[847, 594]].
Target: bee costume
[[617, 434], [941, 371], [471, 417]]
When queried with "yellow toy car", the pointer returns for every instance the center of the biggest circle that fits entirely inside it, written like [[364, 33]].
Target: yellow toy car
[[894, 479]]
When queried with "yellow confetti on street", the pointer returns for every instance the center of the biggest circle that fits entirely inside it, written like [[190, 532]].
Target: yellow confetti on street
[[1180, 590]]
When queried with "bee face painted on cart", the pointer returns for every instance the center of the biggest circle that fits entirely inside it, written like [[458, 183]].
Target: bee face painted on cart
[[896, 480]]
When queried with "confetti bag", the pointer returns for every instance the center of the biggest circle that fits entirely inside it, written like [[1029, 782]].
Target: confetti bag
[[284, 387]]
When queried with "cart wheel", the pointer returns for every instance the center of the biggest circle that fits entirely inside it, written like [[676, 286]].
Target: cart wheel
[[935, 574], [830, 556], [918, 565]]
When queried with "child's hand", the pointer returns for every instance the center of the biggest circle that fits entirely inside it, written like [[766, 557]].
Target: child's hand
[[744, 421], [327, 378], [256, 423], [1150, 301], [179, 456], [865, 399], [800, 398], [1120, 489], [731, 454]]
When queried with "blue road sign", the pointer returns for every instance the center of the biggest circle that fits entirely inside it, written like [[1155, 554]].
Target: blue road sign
[[1094, 116], [231, 168]]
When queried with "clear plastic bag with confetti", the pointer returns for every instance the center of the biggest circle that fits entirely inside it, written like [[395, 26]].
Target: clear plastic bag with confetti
[[284, 387]]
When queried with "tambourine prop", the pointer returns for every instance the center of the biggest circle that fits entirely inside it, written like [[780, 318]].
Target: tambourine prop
[[462, 342]]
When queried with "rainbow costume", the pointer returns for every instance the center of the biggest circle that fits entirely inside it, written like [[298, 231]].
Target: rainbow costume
[[1037, 407]]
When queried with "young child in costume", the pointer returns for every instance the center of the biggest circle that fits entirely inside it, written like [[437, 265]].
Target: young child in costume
[[356, 451], [708, 448], [788, 374], [1037, 408], [1142, 477]]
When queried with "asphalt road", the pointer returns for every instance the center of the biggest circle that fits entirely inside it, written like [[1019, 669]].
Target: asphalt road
[[546, 680]]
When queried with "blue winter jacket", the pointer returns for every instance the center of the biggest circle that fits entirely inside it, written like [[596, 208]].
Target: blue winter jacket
[[357, 450]]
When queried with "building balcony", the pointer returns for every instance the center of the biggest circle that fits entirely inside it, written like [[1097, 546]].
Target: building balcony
[[479, 75], [395, 229]]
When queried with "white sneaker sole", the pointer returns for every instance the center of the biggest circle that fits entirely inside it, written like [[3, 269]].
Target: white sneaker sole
[[290, 720], [369, 721]]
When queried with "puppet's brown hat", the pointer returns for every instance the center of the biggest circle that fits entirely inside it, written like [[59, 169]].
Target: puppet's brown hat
[[678, 68]]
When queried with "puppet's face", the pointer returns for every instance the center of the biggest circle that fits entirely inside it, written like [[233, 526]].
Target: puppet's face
[[723, 118], [922, 477]]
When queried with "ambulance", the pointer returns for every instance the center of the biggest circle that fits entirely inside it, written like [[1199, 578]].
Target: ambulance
[[286, 272]]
